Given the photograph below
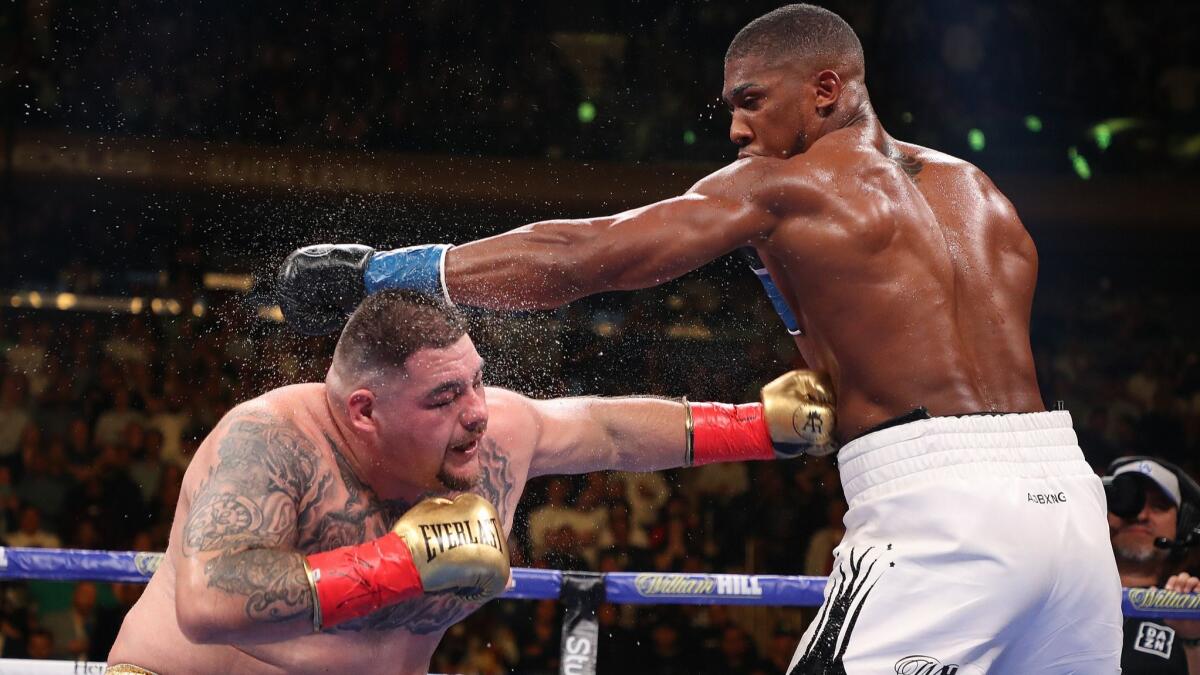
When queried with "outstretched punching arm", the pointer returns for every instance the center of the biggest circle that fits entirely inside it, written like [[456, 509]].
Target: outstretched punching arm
[[582, 434], [549, 263]]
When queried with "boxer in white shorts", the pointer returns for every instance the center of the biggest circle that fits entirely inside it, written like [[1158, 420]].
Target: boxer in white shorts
[[970, 541]]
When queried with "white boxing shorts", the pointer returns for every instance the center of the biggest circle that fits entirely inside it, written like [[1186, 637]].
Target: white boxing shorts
[[974, 544]]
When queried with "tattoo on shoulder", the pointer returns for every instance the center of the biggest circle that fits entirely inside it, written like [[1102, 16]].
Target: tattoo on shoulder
[[263, 487], [909, 164], [436, 612]]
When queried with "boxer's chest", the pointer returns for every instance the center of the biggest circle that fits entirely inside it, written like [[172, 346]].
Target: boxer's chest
[[349, 513]]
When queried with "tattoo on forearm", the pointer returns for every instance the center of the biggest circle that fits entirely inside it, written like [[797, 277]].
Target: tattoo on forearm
[[274, 582]]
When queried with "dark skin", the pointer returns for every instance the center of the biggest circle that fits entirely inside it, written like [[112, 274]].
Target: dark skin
[[910, 273]]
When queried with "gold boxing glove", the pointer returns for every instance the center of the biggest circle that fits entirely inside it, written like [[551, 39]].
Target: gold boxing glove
[[457, 545], [800, 408]]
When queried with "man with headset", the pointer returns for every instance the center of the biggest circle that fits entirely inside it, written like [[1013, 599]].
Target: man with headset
[[1153, 518]]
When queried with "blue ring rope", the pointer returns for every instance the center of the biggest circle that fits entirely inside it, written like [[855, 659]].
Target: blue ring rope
[[666, 588]]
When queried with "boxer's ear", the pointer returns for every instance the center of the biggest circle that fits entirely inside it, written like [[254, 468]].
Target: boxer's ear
[[360, 407], [828, 90]]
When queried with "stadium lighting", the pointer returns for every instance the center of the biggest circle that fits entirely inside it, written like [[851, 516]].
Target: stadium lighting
[[976, 140], [587, 112], [1079, 163]]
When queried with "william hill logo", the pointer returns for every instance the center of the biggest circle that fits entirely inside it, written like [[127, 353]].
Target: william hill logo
[[697, 585]]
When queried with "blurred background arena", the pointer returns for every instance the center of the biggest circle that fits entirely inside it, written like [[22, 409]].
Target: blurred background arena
[[157, 156]]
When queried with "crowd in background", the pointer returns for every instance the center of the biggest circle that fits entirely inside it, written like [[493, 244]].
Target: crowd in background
[[508, 78], [100, 413]]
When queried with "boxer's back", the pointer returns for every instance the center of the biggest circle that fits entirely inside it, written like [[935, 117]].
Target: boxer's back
[[914, 281]]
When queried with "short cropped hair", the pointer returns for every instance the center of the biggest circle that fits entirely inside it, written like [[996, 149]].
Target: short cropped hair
[[389, 326], [802, 32]]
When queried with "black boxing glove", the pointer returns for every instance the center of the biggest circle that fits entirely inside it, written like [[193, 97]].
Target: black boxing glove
[[319, 286]]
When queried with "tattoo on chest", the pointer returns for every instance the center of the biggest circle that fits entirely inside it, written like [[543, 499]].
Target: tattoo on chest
[[362, 517], [436, 612]]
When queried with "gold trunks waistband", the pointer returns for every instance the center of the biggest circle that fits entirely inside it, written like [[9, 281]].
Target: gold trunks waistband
[[128, 669]]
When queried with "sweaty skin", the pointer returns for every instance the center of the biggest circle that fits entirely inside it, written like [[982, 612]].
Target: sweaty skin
[[296, 494], [910, 273]]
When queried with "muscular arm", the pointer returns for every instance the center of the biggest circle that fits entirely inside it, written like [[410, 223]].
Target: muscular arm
[[240, 579], [577, 435], [551, 263]]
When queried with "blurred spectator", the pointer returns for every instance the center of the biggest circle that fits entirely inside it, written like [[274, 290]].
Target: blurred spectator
[[74, 626], [27, 355], [14, 416], [41, 644], [736, 654], [540, 642], [44, 486], [818, 560], [546, 522], [669, 653], [108, 620], [645, 493], [29, 532], [170, 420], [147, 468], [112, 422]]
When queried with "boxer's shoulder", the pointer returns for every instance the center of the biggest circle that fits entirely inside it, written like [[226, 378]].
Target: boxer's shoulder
[[513, 424], [262, 435]]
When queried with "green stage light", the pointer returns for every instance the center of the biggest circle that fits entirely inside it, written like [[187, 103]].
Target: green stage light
[[689, 137], [587, 112], [1103, 135], [1033, 123], [1079, 163], [976, 140]]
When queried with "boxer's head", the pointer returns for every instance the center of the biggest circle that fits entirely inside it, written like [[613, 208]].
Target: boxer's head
[[407, 381], [791, 76]]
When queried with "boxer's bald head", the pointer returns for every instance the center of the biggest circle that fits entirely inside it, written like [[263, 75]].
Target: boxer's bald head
[[792, 76], [801, 34]]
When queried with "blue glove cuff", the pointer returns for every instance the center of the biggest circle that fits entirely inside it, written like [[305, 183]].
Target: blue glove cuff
[[773, 293], [413, 268]]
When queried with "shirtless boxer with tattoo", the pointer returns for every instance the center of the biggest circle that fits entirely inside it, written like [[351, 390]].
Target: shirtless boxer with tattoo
[[341, 527], [976, 536]]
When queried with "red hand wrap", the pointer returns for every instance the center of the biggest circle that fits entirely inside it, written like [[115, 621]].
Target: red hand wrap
[[729, 433], [353, 581]]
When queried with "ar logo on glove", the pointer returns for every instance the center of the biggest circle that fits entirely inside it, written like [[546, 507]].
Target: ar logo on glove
[[814, 422]]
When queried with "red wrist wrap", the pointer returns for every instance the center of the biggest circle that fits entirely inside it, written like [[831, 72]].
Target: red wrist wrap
[[353, 581], [729, 433]]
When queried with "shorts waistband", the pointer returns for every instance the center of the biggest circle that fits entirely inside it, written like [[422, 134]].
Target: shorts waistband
[[128, 669], [1014, 444]]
